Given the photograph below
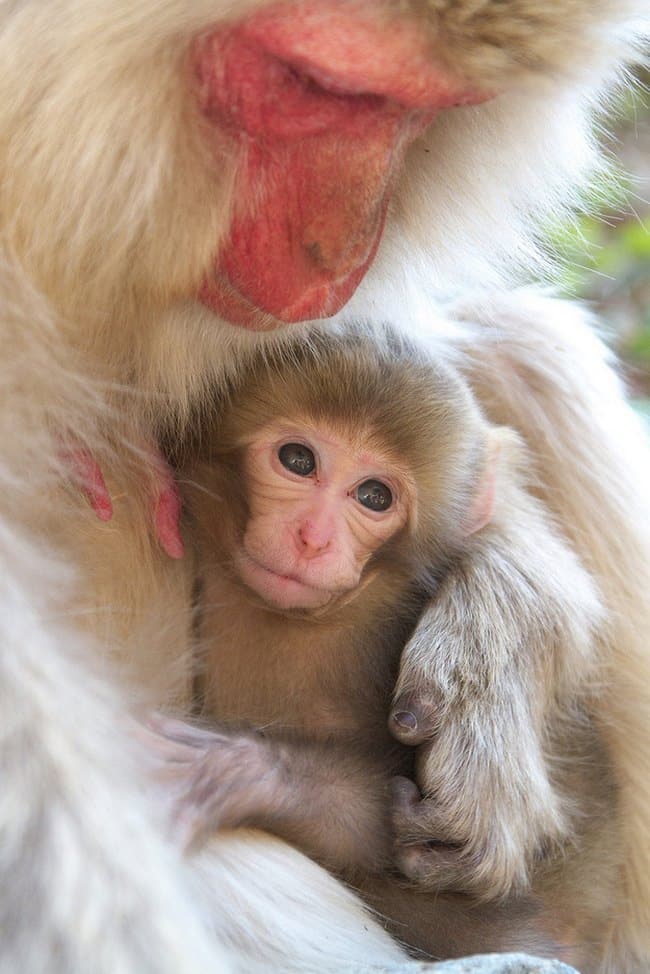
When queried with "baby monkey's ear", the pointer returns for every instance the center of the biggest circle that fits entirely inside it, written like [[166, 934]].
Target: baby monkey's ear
[[482, 506]]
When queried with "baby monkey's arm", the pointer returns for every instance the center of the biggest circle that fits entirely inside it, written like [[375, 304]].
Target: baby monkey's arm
[[329, 800]]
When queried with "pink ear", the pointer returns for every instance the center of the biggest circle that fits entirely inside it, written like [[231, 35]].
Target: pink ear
[[480, 512]]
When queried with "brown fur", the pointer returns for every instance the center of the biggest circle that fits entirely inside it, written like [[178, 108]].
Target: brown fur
[[520, 786]]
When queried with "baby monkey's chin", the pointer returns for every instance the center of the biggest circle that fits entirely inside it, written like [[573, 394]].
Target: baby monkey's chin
[[280, 591]]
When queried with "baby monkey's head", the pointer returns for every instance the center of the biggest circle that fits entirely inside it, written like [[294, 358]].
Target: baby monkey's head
[[341, 457]]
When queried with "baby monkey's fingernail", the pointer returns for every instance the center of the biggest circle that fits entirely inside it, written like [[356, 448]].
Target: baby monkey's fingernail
[[405, 720]]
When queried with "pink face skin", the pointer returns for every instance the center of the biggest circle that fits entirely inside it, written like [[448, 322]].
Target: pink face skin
[[310, 536]]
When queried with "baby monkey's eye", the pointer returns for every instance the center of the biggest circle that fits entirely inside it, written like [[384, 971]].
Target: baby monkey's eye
[[374, 495], [297, 458]]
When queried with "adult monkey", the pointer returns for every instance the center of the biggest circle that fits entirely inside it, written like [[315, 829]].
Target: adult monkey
[[142, 167]]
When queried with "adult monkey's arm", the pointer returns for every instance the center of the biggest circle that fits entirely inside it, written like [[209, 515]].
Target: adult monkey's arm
[[536, 364]]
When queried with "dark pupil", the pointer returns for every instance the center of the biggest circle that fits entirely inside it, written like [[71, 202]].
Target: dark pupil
[[297, 458], [374, 495]]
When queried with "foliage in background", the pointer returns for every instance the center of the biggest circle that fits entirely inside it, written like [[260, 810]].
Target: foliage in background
[[607, 253]]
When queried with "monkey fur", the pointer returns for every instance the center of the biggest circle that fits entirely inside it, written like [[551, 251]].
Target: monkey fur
[[119, 184], [507, 676]]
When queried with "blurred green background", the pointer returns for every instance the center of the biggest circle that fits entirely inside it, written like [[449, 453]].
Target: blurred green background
[[606, 254]]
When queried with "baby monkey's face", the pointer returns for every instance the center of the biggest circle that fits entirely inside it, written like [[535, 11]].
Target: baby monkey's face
[[321, 503]]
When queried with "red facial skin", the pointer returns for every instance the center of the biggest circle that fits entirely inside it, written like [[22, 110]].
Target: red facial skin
[[309, 538], [322, 102]]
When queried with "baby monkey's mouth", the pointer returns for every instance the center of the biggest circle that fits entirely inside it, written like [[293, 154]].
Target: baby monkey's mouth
[[279, 589]]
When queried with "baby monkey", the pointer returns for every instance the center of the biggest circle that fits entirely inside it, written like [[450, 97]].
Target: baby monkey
[[344, 486]]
